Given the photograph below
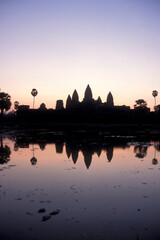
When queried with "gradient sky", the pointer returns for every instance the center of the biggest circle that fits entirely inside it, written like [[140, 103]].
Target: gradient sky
[[58, 46]]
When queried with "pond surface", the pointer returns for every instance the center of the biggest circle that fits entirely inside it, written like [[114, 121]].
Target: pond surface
[[79, 190]]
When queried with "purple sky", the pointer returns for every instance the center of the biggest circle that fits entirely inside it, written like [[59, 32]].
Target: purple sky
[[59, 46]]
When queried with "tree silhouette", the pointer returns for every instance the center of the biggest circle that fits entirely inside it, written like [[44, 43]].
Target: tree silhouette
[[88, 94], [34, 93], [154, 94], [5, 153], [154, 161], [157, 108], [75, 97], [43, 106], [5, 102], [42, 146], [140, 104], [141, 151]]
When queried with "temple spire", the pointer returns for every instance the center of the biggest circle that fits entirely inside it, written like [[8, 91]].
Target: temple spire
[[88, 94]]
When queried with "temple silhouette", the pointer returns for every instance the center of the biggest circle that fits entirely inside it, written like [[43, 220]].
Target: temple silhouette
[[88, 111]]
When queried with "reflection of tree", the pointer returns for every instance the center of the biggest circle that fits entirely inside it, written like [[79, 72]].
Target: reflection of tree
[[42, 146], [157, 146], [59, 147], [154, 160], [5, 153], [5, 102], [109, 153], [16, 147], [87, 157], [33, 159], [140, 151]]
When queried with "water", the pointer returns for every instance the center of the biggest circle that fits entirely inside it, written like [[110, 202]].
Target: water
[[108, 190]]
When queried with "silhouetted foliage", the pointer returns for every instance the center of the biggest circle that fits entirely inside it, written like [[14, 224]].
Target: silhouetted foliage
[[157, 108], [155, 93], [34, 93], [88, 94], [43, 106], [68, 102], [42, 146], [110, 102], [141, 151], [154, 161], [16, 105], [5, 153], [33, 161], [140, 104], [157, 147], [16, 147], [5, 102]]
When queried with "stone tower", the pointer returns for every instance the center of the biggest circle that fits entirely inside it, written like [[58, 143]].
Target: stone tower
[[110, 102], [88, 94]]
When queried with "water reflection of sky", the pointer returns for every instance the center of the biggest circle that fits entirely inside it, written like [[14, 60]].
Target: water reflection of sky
[[99, 196]]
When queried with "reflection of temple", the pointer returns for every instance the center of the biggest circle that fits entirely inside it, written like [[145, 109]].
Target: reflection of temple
[[87, 157], [5, 153], [72, 151], [59, 147], [74, 155], [68, 151], [87, 151], [88, 143], [109, 153]]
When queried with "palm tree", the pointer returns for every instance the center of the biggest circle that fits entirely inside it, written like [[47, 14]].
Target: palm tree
[[34, 94], [154, 94], [33, 159]]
